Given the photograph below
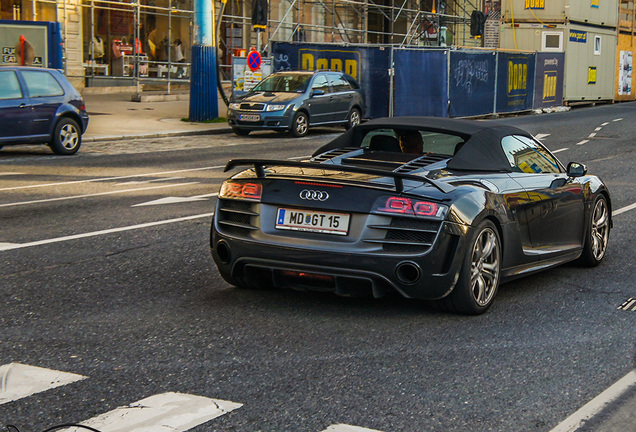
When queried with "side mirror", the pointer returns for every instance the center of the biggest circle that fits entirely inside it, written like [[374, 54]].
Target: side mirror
[[576, 169], [317, 92]]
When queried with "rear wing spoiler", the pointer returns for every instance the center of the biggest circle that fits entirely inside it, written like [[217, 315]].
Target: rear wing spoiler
[[398, 178]]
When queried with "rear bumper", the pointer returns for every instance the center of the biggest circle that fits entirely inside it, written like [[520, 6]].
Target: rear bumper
[[427, 276]]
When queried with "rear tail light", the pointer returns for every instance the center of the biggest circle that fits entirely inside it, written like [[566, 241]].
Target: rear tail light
[[410, 206], [238, 190]]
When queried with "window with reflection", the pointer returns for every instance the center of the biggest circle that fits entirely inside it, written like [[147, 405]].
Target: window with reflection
[[527, 156], [9, 86]]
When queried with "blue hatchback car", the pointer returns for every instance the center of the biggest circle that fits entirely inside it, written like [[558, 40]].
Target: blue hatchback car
[[40, 106]]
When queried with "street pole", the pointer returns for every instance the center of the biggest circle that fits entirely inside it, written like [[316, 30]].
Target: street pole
[[204, 102]]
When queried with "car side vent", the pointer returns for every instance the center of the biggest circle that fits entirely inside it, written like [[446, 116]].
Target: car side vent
[[408, 235], [332, 154], [236, 217], [421, 162]]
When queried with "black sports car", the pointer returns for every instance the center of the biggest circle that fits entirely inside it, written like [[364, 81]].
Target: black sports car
[[435, 209]]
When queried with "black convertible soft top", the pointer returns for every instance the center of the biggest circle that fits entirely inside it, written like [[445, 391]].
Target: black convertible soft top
[[481, 151]]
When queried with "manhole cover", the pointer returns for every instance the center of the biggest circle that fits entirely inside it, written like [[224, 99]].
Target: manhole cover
[[629, 304]]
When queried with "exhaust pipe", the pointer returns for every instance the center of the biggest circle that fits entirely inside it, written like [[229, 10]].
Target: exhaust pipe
[[408, 272], [223, 252]]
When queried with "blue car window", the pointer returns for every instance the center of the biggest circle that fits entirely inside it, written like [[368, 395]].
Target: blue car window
[[288, 83], [42, 84], [9, 86], [320, 83], [338, 83]]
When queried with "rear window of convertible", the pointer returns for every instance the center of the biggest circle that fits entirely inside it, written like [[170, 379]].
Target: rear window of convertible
[[388, 139]]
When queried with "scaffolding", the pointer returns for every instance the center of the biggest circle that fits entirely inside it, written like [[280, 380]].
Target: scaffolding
[[401, 23]]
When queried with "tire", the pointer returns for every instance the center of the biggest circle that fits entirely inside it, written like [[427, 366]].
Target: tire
[[353, 119], [597, 234], [479, 276], [241, 132], [300, 125], [67, 137]]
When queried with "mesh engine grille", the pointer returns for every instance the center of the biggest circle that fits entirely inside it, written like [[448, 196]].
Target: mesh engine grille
[[236, 217]]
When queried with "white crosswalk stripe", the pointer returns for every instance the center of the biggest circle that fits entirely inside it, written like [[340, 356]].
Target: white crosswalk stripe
[[348, 428], [18, 381], [165, 412]]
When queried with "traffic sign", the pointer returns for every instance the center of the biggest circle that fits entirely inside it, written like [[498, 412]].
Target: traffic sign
[[254, 60]]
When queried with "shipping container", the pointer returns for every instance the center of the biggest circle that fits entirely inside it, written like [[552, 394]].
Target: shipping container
[[596, 12], [590, 55]]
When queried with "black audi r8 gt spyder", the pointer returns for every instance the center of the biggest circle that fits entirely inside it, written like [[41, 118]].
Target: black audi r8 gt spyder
[[435, 209]]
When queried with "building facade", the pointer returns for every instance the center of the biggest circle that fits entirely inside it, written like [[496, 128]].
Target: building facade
[[114, 42]]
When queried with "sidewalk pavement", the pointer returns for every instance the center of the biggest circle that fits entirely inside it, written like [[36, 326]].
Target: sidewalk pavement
[[115, 116]]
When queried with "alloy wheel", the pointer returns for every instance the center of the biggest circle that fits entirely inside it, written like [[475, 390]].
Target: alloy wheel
[[301, 125], [484, 269], [600, 229], [69, 136], [354, 120]]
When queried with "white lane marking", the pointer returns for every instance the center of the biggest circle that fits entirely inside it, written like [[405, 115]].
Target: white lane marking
[[604, 124], [149, 181], [18, 381], [618, 119], [596, 405], [627, 305], [592, 135], [10, 173], [165, 412], [175, 200], [624, 209], [560, 150], [95, 194], [110, 178], [101, 232], [122, 177], [541, 136], [348, 428], [598, 129], [582, 142]]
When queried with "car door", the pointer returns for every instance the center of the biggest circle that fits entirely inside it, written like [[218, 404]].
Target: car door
[[342, 96], [15, 113], [555, 207], [45, 97], [320, 100]]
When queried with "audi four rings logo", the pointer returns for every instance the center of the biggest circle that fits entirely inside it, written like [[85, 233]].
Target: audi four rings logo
[[314, 195]]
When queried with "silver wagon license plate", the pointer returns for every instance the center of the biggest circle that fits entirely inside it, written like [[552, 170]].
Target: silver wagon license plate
[[250, 117]]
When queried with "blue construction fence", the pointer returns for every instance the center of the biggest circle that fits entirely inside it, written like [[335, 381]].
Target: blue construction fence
[[436, 82]]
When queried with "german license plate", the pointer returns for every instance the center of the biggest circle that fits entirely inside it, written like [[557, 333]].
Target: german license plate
[[250, 117], [312, 221]]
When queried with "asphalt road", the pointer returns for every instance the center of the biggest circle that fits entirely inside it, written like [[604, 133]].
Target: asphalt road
[[105, 272]]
